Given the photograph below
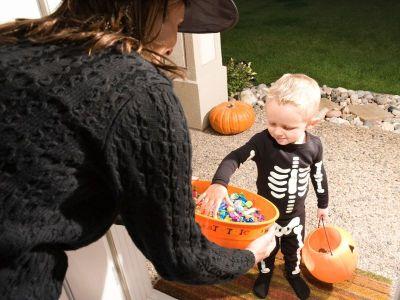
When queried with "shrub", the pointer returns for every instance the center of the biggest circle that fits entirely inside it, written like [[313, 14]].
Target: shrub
[[240, 76]]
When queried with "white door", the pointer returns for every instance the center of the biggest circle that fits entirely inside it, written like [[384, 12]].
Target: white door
[[12, 9], [111, 268]]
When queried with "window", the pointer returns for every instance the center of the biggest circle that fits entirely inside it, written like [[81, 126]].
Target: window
[[30, 9]]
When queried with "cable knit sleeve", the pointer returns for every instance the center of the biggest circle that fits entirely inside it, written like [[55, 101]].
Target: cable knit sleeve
[[150, 151]]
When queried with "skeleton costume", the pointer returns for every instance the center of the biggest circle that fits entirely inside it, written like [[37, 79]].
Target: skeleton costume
[[283, 176]]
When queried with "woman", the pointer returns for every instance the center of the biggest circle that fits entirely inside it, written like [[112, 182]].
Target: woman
[[89, 129]]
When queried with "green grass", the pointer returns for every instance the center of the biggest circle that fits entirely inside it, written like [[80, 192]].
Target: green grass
[[350, 43]]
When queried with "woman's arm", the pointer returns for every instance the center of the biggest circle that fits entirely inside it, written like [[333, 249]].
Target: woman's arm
[[150, 149]]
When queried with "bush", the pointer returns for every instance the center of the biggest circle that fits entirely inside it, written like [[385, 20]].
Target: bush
[[240, 76]]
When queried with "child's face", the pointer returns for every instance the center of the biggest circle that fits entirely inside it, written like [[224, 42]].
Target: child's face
[[285, 122]]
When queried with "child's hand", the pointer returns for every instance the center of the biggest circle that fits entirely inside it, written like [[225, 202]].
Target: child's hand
[[211, 199], [322, 213]]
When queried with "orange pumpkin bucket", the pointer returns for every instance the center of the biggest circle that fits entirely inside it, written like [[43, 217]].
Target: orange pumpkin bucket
[[329, 254], [236, 234]]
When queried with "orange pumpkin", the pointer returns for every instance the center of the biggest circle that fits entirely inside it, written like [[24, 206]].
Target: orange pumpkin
[[327, 266], [232, 117], [236, 234]]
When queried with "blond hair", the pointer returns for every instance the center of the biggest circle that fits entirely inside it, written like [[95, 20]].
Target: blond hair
[[299, 90]]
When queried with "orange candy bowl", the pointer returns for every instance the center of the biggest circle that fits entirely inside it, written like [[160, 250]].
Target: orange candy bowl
[[236, 234]]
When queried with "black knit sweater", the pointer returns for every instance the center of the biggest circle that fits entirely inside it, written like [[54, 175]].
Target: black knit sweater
[[85, 138]]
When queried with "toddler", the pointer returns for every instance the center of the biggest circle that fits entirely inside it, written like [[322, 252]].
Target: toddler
[[286, 155]]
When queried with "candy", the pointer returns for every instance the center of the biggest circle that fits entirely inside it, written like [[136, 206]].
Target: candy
[[194, 192], [249, 204], [234, 196], [238, 209]]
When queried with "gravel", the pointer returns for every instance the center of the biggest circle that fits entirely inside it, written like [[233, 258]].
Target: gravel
[[363, 169]]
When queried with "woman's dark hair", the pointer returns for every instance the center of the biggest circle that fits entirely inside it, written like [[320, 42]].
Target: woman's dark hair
[[129, 25]]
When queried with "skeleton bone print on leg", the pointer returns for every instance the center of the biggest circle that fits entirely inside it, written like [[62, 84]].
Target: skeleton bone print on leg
[[297, 230], [264, 268], [292, 181], [295, 226]]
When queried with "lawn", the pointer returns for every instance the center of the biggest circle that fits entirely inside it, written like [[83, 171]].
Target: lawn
[[353, 44]]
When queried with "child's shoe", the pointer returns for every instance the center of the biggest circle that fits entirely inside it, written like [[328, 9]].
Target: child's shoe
[[299, 286], [261, 285]]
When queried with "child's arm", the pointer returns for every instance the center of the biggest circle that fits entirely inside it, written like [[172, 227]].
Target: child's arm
[[233, 160], [320, 183], [211, 199]]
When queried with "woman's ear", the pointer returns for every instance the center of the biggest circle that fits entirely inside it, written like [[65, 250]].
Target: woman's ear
[[314, 121]]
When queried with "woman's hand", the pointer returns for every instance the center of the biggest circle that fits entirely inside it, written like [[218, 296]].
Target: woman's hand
[[211, 199], [264, 245]]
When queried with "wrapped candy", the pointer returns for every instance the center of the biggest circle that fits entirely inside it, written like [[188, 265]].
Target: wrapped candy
[[237, 209]]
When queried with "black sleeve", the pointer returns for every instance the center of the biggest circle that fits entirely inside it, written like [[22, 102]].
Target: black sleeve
[[151, 150], [319, 179], [233, 161]]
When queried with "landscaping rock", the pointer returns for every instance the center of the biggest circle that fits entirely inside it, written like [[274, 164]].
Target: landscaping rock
[[335, 96], [354, 99], [326, 103], [382, 99], [262, 90], [372, 124], [322, 113], [370, 112], [327, 90], [361, 94], [254, 90], [387, 126], [341, 90], [357, 121], [262, 86], [345, 96], [345, 110], [248, 97], [348, 117], [394, 110], [339, 121], [364, 101], [368, 96], [333, 114]]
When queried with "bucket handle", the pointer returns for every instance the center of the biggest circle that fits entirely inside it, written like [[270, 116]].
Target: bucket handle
[[326, 235]]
